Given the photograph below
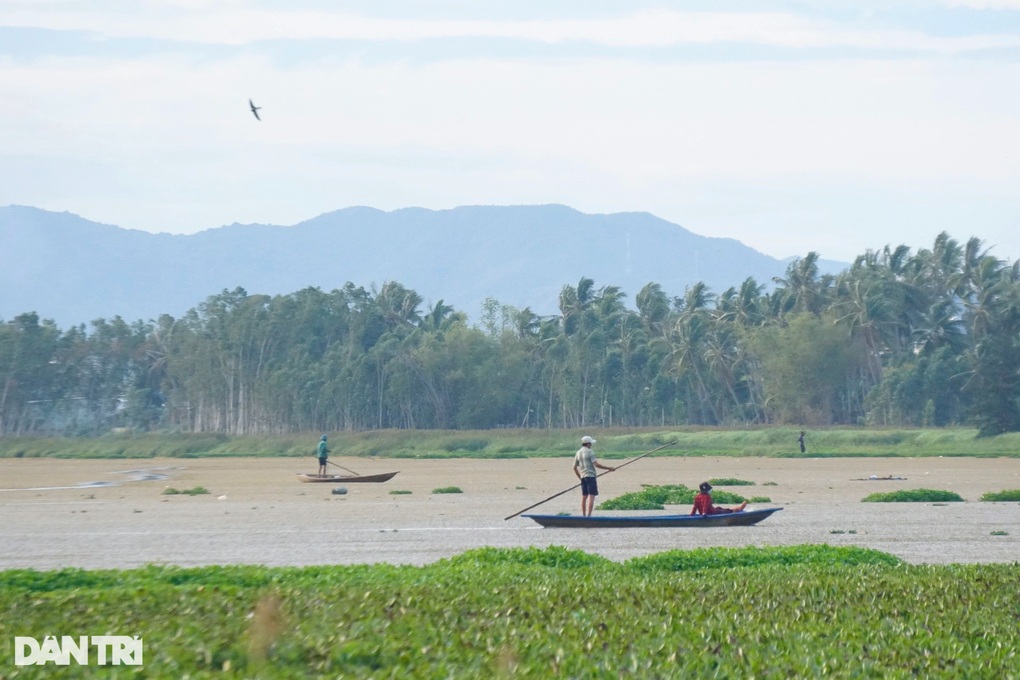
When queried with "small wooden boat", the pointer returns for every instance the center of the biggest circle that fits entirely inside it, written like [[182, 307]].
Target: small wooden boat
[[347, 479], [732, 519]]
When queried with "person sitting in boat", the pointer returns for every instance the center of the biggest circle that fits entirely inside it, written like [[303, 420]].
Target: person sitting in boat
[[323, 453], [703, 503]]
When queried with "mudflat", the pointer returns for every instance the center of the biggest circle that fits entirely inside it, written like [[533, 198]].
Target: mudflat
[[115, 514]]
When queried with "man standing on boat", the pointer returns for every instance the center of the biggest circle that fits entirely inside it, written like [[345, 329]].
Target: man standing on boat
[[323, 453], [584, 467]]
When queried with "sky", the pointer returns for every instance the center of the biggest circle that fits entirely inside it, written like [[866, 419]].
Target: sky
[[833, 126]]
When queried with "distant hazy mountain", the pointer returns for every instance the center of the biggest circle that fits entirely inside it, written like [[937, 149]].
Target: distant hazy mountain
[[72, 270]]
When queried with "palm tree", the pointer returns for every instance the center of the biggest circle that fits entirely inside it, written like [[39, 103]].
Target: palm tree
[[804, 285]]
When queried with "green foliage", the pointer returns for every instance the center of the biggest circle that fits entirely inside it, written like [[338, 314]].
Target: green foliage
[[729, 481], [400, 492], [900, 339], [194, 491], [615, 444], [465, 444], [553, 556], [657, 497], [541, 612], [714, 558], [447, 489], [1006, 495], [759, 499], [998, 532], [914, 496]]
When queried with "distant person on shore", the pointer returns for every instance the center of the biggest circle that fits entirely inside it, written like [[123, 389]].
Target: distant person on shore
[[800, 439], [585, 463], [323, 453], [703, 503]]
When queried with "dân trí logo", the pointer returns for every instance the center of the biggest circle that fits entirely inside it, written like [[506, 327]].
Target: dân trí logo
[[110, 650]]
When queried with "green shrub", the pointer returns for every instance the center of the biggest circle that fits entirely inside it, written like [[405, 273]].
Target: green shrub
[[553, 556], [399, 492], [914, 496], [1002, 496], [195, 491], [729, 481], [759, 499], [714, 558], [448, 489], [657, 497]]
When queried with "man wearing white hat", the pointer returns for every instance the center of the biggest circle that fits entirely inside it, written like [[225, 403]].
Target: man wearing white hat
[[584, 467]]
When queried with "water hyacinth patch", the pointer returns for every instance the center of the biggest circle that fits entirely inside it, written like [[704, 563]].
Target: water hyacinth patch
[[914, 496], [657, 497], [194, 491], [805, 611], [1008, 495]]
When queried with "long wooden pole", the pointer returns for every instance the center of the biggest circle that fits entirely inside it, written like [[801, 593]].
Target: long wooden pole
[[343, 468], [557, 495]]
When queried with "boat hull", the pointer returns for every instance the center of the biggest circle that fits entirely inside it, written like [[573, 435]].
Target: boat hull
[[733, 519], [347, 479]]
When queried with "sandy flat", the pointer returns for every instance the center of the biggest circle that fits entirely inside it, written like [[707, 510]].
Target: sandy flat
[[113, 514]]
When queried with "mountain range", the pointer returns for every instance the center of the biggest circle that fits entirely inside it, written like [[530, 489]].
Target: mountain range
[[72, 270]]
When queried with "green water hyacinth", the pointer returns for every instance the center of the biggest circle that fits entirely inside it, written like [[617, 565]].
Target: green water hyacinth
[[657, 497], [1008, 495], [801, 611], [914, 496]]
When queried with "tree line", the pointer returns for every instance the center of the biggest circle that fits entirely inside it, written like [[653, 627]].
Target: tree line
[[926, 338]]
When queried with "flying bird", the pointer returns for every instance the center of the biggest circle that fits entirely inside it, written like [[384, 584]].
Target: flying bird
[[254, 109]]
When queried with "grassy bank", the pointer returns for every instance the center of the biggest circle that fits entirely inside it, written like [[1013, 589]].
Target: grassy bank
[[805, 611], [612, 444]]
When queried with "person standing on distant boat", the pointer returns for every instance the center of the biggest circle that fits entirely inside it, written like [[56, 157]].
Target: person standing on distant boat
[[323, 453], [703, 503], [585, 463], [801, 440]]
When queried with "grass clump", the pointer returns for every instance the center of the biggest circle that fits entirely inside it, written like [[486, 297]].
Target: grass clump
[[400, 492], [657, 497], [914, 496], [448, 489], [759, 499], [553, 556], [194, 491], [1007, 495], [729, 481], [467, 444], [714, 558]]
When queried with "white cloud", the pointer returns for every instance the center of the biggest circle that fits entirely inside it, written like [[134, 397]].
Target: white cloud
[[846, 153], [984, 4], [232, 23]]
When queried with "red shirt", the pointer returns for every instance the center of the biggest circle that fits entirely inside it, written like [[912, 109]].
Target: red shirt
[[702, 504]]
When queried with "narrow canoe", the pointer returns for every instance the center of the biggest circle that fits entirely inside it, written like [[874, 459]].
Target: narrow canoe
[[347, 479], [733, 519]]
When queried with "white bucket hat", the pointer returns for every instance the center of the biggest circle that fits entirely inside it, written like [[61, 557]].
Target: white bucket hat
[[587, 440]]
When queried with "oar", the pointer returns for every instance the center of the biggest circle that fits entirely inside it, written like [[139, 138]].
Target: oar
[[343, 468], [557, 495]]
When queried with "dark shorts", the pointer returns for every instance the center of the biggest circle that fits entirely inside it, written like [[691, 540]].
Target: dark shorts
[[322, 461], [589, 486]]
